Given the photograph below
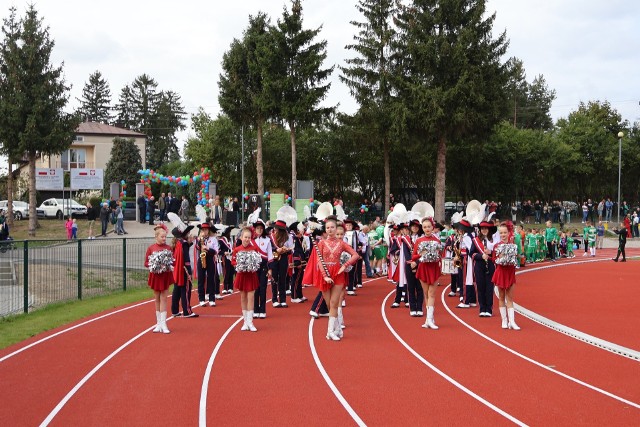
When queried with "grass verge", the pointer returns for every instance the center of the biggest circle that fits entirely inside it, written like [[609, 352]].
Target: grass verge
[[14, 329]]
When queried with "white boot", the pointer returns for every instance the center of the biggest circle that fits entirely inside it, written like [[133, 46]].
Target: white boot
[[341, 318], [163, 323], [331, 334], [430, 322], [503, 315], [157, 328], [512, 321], [337, 328], [250, 321], [245, 325]]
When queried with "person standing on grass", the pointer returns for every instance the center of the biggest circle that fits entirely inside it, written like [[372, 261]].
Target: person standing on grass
[[246, 281], [504, 277], [326, 273], [622, 242], [91, 218], [159, 260], [74, 229], [428, 271], [69, 225], [104, 218]]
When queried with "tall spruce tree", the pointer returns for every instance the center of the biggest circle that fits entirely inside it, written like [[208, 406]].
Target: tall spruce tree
[[37, 104], [299, 79], [454, 78], [369, 75], [124, 162], [244, 95], [95, 104]]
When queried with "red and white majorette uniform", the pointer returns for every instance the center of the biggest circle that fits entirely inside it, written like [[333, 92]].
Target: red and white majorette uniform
[[244, 281], [428, 272], [505, 275], [331, 249], [158, 281]]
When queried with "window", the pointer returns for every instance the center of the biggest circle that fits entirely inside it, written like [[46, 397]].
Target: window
[[79, 138], [74, 158]]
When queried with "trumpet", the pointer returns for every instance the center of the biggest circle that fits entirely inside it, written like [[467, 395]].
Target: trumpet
[[457, 258], [395, 259]]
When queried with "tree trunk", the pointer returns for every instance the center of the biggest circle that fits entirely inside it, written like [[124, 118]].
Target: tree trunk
[[294, 172], [441, 175], [33, 216], [387, 176], [259, 169], [10, 194]]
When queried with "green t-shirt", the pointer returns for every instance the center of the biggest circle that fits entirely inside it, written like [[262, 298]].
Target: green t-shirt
[[590, 233], [551, 234], [531, 240]]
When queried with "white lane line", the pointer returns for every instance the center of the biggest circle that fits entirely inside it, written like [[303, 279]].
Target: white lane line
[[327, 379], [574, 333], [442, 374], [535, 362], [70, 329], [86, 378], [82, 324], [202, 419]]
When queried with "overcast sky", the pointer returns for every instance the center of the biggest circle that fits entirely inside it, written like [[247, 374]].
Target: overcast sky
[[586, 49]]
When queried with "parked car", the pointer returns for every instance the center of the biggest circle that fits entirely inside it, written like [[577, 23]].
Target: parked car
[[20, 209], [60, 208]]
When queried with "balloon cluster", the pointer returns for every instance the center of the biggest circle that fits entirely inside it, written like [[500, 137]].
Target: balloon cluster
[[123, 191], [203, 176], [313, 203], [287, 198], [266, 195], [246, 196], [364, 208]]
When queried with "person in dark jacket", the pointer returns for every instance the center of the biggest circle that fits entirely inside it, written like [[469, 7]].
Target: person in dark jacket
[[105, 212], [151, 208], [91, 217], [142, 209], [622, 242]]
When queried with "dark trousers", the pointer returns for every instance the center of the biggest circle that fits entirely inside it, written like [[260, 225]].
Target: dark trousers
[[206, 280], [400, 293], [456, 282], [296, 283], [181, 294], [551, 248], [358, 278], [485, 288], [228, 274], [279, 280], [143, 214], [414, 288], [352, 278], [469, 291], [260, 296], [319, 305], [105, 224], [621, 251]]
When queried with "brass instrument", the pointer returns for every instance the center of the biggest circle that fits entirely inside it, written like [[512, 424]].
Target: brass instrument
[[203, 251], [395, 259], [457, 251]]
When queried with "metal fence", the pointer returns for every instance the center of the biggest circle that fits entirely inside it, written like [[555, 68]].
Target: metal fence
[[35, 273]]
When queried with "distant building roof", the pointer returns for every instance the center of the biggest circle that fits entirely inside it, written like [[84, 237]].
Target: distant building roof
[[92, 128]]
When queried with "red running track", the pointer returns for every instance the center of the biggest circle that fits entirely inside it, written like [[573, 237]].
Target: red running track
[[270, 377]]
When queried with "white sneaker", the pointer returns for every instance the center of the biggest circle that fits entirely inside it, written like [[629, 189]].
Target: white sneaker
[[256, 315], [263, 315], [584, 254], [359, 285], [218, 296], [296, 300], [313, 314], [412, 314], [473, 304], [276, 304], [419, 313], [284, 305], [463, 305], [288, 292], [351, 292], [212, 303], [203, 303], [344, 302], [395, 305]]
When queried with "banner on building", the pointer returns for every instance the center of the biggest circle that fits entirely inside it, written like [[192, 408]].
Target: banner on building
[[49, 179]]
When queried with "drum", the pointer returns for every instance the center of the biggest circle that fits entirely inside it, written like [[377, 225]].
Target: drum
[[448, 267]]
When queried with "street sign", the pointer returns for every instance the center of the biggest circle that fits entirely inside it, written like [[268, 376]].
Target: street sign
[[87, 179], [49, 179]]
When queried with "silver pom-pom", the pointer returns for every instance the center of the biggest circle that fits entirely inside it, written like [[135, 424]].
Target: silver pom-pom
[[507, 254], [429, 251], [161, 261], [248, 261], [344, 258]]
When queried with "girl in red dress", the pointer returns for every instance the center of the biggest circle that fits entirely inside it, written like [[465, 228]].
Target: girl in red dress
[[428, 272], [340, 236], [160, 281], [327, 274], [504, 278], [246, 282]]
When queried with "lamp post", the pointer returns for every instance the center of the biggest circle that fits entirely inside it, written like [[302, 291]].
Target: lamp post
[[620, 135]]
